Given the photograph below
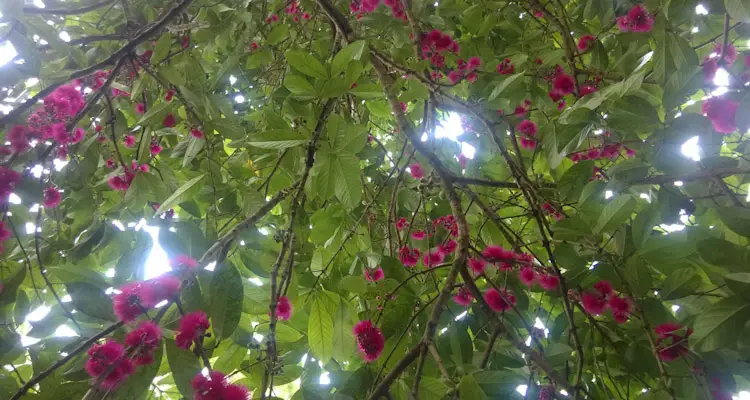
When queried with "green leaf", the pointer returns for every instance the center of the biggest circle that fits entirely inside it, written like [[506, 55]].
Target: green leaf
[[161, 50], [226, 299], [90, 300], [137, 385], [258, 59], [739, 283], [469, 389], [184, 366], [724, 254], [352, 51], [617, 211], [306, 63], [738, 9], [736, 218], [299, 85], [320, 330], [347, 175], [277, 139], [638, 277], [354, 284], [183, 193], [277, 34], [368, 91], [504, 84], [680, 283], [719, 325]]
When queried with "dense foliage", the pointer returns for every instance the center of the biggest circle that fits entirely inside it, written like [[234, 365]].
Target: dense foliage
[[360, 200]]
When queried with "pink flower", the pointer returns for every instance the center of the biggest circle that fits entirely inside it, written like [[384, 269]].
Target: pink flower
[[433, 257], [4, 232], [118, 183], [403, 106], [462, 160], [463, 297], [549, 282], [587, 89], [418, 235], [563, 84], [593, 303], [629, 152], [710, 66], [185, 42], [584, 43], [474, 63], [722, 113], [110, 163], [170, 94], [369, 340], [183, 261], [527, 127], [477, 265], [144, 340], [284, 308], [636, 20], [108, 357], [621, 308], [527, 276], [604, 288], [495, 253], [416, 171], [374, 275], [166, 287], [196, 133], [155, 149], [671, 344], [129, 141], [52, 197], [730, 54], [499, 301], [64, 102], [306, 16], [408, 257], [505, 67], [216, 387], [140, 108], [448, 247], [192, 327], [133, 300], [169, 121], [402, 224]]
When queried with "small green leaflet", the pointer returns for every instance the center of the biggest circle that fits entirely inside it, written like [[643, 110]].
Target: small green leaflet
[[504, 85], [180, 195], [320, 330], [226, 295], [306, 63], [353, 51], [615, 213]]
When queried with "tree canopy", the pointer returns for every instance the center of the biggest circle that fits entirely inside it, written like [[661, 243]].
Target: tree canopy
[[359, 199]]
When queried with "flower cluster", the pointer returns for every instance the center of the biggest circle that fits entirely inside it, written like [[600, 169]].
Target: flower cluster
[[137, 298], [283, 308], [505, 258], [216, 387], [636, 20], [603, 297], [416, 170], [362, 7], [8, 181], [585, 42], [562, 85], [465, 70], [506, 67], [448, 222], [408, 256], [374, 275], [402, 224], [550, 210], [370, 340], [52, 197], [528, 130], [463, 297], [672, 341], [272, 18], [4, 235], [711, 63], [435, 44], [122, 182], [108, 364], [607, 151], [522, 110], [529, 276], [293, 10], [722, 113], [500, 300], [192, 328], [143, 341]]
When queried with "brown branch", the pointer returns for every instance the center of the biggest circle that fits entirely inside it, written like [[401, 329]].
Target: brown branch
[[439, 362], [488, 350], [142, 36]]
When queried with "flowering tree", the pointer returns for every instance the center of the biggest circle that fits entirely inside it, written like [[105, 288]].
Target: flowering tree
[[328, 199]]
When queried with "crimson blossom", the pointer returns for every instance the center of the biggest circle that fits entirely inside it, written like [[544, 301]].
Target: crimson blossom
[[370, 340]]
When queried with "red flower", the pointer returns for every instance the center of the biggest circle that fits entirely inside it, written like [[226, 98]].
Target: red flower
[[636, 20], [170, 94], [144, 340], [402, 224], [527, 127], [408, 257], [253, 46], [477, 265], [8, 180], [671, 344], [4, 234], [621, 308], [448, 247], [499, 301], [604, 288], [585, 42], [192, 327], [527, 276], [403, 106], [563, 84], [306, 16], [593, 303], [505, 67], [587, 89], [433, 257], [629, 152], [196, 133], [108, 357], [140, 108], [166, 287], [463, 297], [369, 340], [474, 63], [98, 128], [462, 160], [64, 102], [284, 308], [495, 253], [133, 299], [374, 275], [52, 197], [418, 235], [526, 143], [710, 66], [549, 282], [183, 261], [416, 170], [216, 387], [472, 77], [155, 149], [169, 121], [129, 141], [722, 113], [118, 183]]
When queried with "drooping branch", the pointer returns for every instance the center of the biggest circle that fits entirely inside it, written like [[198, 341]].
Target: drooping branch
[[139, 38]]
